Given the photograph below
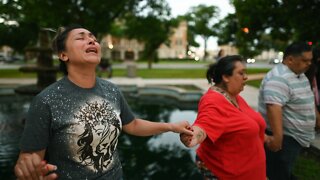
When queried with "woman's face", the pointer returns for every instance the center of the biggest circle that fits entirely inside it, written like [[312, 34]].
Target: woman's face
[[236, 82], [82, 48]]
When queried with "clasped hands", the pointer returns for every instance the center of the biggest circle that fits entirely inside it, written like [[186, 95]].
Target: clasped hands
[[31, 167], [273, 143]]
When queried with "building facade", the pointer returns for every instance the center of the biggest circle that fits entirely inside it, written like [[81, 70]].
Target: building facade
[[178, 45], [131, 49]]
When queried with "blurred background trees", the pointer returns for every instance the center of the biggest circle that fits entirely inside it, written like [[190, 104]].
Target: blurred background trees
[[255, 26], [275, 23]]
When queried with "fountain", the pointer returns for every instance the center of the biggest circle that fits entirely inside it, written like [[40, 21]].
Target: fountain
[[158, 151], [45, 69]]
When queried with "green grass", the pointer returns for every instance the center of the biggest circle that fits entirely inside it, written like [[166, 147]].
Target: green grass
[[254, 83], [171, 73], [15, 73], [257, 70], [144, 73], [307, 167]]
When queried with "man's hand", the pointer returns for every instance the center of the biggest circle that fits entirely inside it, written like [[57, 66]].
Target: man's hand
[[274, 143]]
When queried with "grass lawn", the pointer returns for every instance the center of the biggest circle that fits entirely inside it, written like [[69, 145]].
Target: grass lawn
[[307, 166], [144, 73], [254, 83]]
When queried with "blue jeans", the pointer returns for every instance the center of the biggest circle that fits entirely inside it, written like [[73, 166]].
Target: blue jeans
[[280, 164]]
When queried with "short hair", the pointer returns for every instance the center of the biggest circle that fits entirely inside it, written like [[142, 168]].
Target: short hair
[[224, 66], [296, 49]]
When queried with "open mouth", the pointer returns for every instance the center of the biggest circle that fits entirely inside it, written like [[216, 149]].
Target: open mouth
[[92, 50]]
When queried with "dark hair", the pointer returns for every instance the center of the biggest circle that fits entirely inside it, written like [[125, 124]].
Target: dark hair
[[296, 49], [224, 66], [59, 43], [314, 67]]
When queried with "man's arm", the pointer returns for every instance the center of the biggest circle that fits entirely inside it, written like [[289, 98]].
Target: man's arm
[[274, 114]]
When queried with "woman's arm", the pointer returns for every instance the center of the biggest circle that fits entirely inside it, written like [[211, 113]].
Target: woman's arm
[[140, 127], [31, 165], [199, 135]]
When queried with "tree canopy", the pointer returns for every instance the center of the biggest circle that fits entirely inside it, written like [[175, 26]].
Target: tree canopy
[[265, 24], [202, 20], [22, 19]]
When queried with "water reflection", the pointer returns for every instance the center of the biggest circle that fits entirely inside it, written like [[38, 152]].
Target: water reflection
[[12, 111], [157, 157]]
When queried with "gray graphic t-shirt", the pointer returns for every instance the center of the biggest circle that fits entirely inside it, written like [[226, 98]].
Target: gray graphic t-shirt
[[79, 128]]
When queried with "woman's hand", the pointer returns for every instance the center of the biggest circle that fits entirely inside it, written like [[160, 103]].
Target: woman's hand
[[182, 127], [273, 143], [196, 138], [140, 127], [31, 166]]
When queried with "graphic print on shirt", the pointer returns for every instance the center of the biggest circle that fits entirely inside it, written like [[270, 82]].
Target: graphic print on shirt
[[99, 139]]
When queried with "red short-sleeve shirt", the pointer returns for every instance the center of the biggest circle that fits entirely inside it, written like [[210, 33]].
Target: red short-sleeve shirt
[[234, 146]]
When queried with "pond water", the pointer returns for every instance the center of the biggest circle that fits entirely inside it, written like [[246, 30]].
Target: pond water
[[158, 157]]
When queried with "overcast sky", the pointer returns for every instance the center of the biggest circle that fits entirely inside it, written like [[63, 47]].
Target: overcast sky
[[180, 7]]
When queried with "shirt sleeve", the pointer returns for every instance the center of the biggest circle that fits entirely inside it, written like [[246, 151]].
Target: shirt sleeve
[[276, 91], [126, 114], [211, 119], [36, 132]]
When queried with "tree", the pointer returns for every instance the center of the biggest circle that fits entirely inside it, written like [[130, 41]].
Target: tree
[[22, 19], [191, 36], [274, 23], [153, 27], [201, 22]]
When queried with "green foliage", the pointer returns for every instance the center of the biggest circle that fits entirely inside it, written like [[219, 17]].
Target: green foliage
[[18, 37], [201, 21], [271, 24], [228, 28], [153, 29], [24, 18]]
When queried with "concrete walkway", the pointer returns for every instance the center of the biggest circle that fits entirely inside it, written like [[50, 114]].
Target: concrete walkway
[[250, 94]]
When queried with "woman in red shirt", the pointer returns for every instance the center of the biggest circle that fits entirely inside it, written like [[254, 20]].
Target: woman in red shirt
[[230, 133]]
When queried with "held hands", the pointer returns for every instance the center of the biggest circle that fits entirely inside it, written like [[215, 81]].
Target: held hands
[[196, 138], [31, 167], [181, 127], [273, 143]]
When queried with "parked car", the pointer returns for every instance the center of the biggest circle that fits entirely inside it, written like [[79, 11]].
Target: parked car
[[251, 60], [275, 61], [3, 58]]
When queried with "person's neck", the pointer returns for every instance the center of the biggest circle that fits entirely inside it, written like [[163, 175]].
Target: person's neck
[[226, 90], [83, 80], [291, 68], [228, 95]]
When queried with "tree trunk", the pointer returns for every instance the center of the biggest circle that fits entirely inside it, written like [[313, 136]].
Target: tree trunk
[[205, 54], [150, 62]]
